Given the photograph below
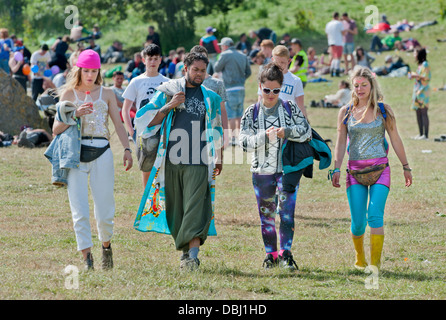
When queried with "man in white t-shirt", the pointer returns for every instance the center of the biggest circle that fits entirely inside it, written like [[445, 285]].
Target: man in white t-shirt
[[335, 31], [40, 58], [292, 87], [142, 88]]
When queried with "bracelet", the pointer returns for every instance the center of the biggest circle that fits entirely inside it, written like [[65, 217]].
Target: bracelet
[[405, 164], [332, 172], [128, 149]]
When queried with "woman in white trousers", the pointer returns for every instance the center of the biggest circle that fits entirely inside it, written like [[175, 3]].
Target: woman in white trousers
[[97, 171]]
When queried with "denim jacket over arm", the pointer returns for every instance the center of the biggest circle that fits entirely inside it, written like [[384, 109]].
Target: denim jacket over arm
[[64, 150]]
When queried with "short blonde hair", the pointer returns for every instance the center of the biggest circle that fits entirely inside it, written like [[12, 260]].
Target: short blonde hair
[[267, 43], [281, 51], [4, 33]]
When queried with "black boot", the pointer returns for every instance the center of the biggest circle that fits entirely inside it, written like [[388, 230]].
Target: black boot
[[89, 262], [107, 258]]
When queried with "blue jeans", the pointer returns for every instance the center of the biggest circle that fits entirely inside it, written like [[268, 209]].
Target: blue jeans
[[4, 65]]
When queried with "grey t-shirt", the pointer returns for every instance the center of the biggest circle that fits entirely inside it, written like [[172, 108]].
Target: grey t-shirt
[[187, 137], [217, 86]]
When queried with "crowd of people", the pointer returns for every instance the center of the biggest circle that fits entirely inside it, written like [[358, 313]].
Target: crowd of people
[[201, 93]]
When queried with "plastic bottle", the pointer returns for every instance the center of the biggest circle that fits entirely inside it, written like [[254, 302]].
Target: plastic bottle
[[88, 98]]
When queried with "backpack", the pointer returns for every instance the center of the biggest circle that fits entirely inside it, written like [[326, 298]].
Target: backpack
[[381, 107], [285, 104]]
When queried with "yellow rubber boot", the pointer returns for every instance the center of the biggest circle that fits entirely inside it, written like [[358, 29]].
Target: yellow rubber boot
[[376, 247], [360, 255]]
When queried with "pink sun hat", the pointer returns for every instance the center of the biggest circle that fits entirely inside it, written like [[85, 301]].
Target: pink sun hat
[[89, 59]]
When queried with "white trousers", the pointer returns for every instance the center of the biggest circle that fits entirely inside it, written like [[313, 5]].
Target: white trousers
[[102, 179]]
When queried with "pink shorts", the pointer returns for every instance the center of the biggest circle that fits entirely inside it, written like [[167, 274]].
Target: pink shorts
[[361, 164], [336, 51]]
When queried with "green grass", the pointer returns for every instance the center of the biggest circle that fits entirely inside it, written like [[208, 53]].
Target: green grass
[[37, 239]]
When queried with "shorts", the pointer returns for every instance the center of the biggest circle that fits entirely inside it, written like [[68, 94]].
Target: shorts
[[4, 64], [349, 48], [336, 51], [234, 104]]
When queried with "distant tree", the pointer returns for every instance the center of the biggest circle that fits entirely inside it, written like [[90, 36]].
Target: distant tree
[[48, 16], [11, 14], [176, 18]]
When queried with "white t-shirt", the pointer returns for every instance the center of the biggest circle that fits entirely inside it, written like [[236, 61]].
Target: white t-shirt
[[142, 88], [292, 87], [334, 29], [41, 61], [345, 96]]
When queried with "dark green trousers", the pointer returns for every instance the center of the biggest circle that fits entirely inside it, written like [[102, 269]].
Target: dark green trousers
[[188, 203]]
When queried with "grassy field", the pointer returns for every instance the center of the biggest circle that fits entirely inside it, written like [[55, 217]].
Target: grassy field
[[37, 240]]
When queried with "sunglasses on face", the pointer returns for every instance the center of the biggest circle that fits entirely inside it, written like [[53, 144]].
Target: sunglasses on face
[[276, 91]]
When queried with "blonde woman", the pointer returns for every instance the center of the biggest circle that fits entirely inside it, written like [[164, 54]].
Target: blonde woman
[[92, 129], [364, 122]]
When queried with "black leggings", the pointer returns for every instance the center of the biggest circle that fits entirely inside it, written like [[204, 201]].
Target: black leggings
[[36, 88], [423, 121]]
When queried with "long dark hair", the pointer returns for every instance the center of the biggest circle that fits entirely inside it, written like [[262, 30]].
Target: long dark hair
[[421, 55], [363, 53]]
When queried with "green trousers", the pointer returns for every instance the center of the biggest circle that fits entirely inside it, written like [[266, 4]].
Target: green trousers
[[188, 203]]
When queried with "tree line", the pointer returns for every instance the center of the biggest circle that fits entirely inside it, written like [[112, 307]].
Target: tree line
[[175, 19]]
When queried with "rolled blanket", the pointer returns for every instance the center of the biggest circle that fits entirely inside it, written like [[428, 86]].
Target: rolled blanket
[[65, 112]]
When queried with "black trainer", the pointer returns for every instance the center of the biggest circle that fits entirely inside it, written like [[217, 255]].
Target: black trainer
[[269, 262], [286, 261]]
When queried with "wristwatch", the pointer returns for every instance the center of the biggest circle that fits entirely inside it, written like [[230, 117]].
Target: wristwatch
[[130, 150]]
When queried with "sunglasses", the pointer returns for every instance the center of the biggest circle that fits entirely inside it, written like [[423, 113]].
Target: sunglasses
[[276, 91]]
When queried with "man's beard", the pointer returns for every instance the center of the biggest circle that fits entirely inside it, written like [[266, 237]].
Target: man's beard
[[192, 82]]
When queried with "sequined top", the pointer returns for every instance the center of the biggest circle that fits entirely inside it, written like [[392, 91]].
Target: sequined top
[[366, 139], [95, 124]]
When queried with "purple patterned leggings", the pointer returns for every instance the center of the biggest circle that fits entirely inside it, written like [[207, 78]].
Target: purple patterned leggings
[[271, 199]]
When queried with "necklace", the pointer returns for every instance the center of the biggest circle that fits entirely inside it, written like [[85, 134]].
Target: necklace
[[361, 109]]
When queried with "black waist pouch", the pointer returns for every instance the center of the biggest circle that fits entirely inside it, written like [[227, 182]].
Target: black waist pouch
[[89, 153]]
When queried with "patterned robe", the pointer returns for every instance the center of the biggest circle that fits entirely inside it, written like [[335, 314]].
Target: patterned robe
[[151, 214]]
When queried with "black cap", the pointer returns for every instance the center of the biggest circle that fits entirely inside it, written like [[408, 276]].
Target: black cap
[[296, 41]]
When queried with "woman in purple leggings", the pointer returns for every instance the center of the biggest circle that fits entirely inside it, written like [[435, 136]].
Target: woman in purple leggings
[[264, 127]]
